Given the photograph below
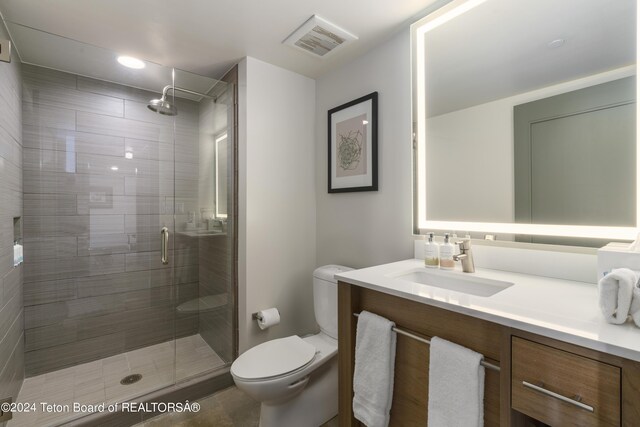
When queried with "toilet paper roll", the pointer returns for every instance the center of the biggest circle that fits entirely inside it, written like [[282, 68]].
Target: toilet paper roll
[[268, 318]]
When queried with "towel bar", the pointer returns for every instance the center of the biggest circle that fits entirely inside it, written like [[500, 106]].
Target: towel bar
[[426, 341]]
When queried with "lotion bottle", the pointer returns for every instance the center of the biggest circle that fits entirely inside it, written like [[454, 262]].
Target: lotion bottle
[[431, 253], [446, 254]]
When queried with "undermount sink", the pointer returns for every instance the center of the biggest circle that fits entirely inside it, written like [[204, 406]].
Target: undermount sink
[[467, 283]]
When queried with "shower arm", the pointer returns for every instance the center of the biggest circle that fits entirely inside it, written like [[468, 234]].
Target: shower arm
[[167, 88]]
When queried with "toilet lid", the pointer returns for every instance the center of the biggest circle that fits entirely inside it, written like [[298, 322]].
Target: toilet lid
[[273, 358]]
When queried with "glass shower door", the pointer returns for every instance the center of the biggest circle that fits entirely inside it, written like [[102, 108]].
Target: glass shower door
[[98, 169], [204, 243]]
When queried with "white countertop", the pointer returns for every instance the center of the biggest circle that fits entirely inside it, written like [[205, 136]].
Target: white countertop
[[559, 309]]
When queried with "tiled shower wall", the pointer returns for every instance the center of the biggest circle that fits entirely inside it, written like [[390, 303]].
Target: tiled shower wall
[[11, 311], [94, 285]]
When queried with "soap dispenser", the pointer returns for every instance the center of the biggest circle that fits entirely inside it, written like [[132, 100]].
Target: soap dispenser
[[446, 254], [431, 252]]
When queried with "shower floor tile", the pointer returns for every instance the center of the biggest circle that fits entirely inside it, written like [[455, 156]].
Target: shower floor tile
[[99, 381]]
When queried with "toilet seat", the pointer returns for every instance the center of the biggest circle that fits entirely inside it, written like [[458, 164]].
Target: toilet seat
[[273, 358]]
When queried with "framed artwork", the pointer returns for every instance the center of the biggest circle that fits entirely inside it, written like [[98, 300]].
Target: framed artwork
[[353, 145]]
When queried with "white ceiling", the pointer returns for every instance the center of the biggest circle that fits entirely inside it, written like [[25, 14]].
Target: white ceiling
[[499, 48], [59, 53], [204, 36]]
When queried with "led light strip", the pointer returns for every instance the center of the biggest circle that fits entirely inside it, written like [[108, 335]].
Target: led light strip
[[434, 20]]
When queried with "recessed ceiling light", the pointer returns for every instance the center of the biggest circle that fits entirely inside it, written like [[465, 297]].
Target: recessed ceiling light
[[553, 44], [114, 168], [131, 62], [128, 155]]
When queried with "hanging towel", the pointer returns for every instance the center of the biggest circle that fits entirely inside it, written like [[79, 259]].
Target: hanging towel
[[456, 386], [615, 291], [374, 368]]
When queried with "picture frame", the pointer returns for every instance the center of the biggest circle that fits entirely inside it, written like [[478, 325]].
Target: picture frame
[[353, 145]]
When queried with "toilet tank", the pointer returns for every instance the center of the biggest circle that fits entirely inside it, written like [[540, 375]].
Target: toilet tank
[[325, 298]]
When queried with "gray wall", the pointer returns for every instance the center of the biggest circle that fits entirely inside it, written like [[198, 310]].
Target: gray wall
[[94, 284], [369, 228], [11, 287]]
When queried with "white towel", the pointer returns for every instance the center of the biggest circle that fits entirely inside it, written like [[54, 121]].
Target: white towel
[[374, 369], [456, 386], [634, 310], [615, 293]]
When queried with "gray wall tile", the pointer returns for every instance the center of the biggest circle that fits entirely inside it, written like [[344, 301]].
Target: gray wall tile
[[10, 117], [11, 176], [45, 226], [94, 283], [38, 204], [12, 283], [40, 248], [49, 291], [12, 376], [103, 165], [8, 342], [114, 126], [120, 205], [44, 94], [112, 89], [99, 186], [43, 138], [122, 282], [66, 268], [10, 148], [32, 74], [10, 312], [53, 117], [155, 150], [11, 279], [48, 161]]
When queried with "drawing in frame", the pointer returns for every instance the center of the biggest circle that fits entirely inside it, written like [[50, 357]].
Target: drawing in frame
[[353, 145]]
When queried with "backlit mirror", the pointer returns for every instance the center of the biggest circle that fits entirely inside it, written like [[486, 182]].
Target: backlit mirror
[[525, 119]]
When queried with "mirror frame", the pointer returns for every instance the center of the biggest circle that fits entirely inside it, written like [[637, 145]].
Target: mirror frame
[[421, 223]]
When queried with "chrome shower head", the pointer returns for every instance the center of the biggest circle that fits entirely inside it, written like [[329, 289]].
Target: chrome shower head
[[162, 106]]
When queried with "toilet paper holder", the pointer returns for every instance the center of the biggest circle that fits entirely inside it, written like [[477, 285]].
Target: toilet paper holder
[[266, 318]]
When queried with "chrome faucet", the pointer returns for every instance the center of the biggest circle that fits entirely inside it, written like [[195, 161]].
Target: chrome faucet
[[465, 256]]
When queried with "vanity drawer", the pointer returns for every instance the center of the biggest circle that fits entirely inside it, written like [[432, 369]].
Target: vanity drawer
[[546, 383]]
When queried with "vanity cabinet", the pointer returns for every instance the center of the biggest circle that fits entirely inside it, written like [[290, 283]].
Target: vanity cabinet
[[410, 391], [541, 382], [562, 388]]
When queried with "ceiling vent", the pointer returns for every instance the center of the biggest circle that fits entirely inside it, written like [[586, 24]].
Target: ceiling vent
[[318, 36]]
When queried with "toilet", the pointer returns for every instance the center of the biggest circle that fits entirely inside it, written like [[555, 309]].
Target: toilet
[[296, 379]]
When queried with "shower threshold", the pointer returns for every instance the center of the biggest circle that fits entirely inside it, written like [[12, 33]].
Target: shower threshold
[[99, 382]]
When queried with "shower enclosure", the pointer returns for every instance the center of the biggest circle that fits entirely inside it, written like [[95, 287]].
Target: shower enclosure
[[128, 227]]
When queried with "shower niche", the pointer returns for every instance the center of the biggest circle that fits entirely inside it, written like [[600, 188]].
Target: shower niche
[[18, 248]]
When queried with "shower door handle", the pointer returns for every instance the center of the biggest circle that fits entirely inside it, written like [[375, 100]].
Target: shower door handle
[[164, 245]]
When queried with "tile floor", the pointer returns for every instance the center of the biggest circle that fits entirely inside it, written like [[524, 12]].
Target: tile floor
[[99, 381], [227, 408]]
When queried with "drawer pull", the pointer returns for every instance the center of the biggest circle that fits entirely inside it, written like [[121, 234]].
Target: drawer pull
[[558, 396]]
